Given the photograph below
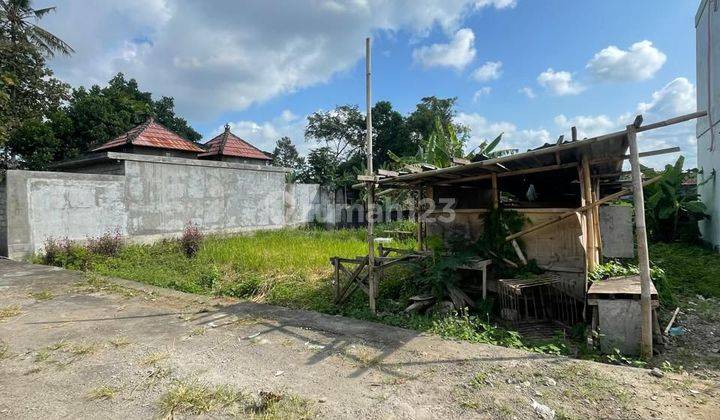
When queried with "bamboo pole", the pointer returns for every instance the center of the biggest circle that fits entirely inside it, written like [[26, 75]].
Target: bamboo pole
[[590, 247], [371, 184], [495, 198], [646, 350], [578, 210], [596, 219]]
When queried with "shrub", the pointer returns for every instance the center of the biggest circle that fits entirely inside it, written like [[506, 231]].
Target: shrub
[[67, 254], [191, 239], [109, 244], [53, 249]]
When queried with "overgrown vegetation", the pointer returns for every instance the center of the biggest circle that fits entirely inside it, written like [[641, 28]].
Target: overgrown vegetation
[[671, 209], [619, 268]]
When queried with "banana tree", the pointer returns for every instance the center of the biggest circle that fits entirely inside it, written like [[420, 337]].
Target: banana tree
[[672, 210], [487, 150]]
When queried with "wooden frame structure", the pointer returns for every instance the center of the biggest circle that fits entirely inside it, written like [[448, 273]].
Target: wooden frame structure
[[351, 274], [598, 162]]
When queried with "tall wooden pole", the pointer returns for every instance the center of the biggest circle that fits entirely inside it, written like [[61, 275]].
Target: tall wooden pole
[[646, 350], [371, 184], [590, 247]]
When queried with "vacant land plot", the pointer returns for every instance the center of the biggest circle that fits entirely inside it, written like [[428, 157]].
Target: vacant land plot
[[291, 268], [77, 346]]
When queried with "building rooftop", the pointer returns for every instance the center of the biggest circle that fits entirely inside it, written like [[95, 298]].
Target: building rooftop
[[228, 144], [150, 134]]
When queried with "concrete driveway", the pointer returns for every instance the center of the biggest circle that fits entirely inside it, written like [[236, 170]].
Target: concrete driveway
[[77, 346]]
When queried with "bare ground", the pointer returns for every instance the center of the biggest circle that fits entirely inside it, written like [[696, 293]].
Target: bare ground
[[77, 346]]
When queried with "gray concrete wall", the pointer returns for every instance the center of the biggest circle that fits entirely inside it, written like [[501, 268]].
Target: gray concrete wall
[[155, 198], [53, 204], [616, 231], [309, 203], [162, 197]]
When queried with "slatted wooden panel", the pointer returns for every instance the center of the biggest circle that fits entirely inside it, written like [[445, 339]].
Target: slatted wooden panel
[[560, 246]]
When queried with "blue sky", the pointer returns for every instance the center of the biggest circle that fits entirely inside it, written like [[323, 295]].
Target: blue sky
[[263, 66]]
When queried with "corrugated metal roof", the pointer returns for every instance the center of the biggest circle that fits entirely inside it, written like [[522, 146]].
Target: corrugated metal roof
[[228, 144], [151, 134]]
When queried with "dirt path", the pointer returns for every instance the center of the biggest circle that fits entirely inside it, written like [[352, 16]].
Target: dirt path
[[80, 347]]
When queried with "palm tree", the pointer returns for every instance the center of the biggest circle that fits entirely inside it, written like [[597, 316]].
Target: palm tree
[[16, 22]]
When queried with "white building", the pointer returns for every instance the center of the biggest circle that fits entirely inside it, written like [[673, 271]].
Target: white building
[[707, 24]]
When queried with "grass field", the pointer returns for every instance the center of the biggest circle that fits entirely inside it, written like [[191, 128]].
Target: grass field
[[286, 267]]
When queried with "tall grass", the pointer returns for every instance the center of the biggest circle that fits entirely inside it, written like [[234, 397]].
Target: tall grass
[[289, 267]]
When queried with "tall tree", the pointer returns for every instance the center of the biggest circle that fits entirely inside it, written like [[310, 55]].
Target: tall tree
[[341, 131], [391, 134], [286, 155], [421, 122], [16, 22], [322, 167]]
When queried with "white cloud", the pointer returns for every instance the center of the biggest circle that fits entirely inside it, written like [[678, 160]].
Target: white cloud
[[458, 53], [559, 82], [498, 4], [640, 62], [491, 70], [484, 130], [265, 134], [226, 55], [527, 91], [587, 125], [483, 91], [674, 99]]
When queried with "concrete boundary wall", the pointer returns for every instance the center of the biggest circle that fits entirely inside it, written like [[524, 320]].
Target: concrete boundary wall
[[154, 199], [54, 204]]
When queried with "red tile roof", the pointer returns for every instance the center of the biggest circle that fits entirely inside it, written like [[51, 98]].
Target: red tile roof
[[228, 144], [151, 134]]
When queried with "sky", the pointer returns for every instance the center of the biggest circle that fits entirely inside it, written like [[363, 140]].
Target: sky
[[530, 69]]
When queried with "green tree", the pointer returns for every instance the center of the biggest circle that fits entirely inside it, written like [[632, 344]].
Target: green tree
[[17, 27], [421, 122], [672, 210], [286, 155], [41, 150], [322, 167], [341, 131], [438, 148], [390, 134], [28, 91]]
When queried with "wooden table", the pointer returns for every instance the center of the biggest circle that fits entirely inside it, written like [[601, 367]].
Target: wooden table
[[480, 265]]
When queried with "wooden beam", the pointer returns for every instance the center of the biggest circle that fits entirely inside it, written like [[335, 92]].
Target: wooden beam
[[385, 172], [641, 154], [581, 209], [646, 351], [545, 150], [460, 161], [573, 130], [511, 173], [671, 121]]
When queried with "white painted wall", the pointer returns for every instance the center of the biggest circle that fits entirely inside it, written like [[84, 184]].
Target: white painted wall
[[707, 23]]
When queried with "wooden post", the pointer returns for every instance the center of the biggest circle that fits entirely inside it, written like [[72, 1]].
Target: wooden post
[[646, 350], [417, 219], [590, 247], [596, 219], [372, 285], [495, 192]]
